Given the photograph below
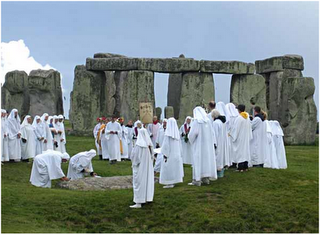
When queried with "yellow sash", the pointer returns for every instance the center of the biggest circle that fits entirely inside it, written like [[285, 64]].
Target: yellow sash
[[98, 135], [121, 148]]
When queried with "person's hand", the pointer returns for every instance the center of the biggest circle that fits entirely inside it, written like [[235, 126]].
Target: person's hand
[[60, 132], [94, 174], [19, 135], [165, 158], [65, 179], [61, 140], [45, 141]]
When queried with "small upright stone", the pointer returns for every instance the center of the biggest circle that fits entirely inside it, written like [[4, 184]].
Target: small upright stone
[[168, 112]]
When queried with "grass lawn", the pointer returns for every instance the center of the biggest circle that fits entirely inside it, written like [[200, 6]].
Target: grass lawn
[[262, 200]]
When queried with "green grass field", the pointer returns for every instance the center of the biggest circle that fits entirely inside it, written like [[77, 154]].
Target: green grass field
[[262, 200]]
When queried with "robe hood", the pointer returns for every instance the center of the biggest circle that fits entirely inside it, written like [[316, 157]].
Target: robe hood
[[172, 129], [144, 139], [244, 114], [232, 110], [200, 115], [260, 116], [221, 107]]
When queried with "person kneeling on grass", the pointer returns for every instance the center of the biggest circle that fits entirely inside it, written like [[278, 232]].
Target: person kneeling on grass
[[47, 167], [142, 169], [80, 165]]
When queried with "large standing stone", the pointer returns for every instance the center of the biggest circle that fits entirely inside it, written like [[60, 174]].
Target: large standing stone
[[174, 92], [14, 92], [133, 87], [35, 94], [86, 99], [248, 89], [108, 101], [279, 63], [226, 67], [45, 92], [300, 111], [108, 55], [197, 90]]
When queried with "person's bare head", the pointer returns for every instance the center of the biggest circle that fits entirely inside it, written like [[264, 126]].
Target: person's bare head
[[130, 122], [155, 118], [114, 118], [212, 105]]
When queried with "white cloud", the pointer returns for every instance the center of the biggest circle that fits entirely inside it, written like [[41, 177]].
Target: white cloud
[[15, 55]]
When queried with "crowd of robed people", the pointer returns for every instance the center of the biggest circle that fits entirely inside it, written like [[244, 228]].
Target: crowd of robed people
[[224, 136]]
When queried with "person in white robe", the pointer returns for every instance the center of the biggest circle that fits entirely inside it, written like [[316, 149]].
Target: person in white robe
[[39, 133], [4, 137], [81, 165], [48, 139], [14, 136], [259, 139], [225, 143], [172, 165], [186, 145], [103, 140], [113, 136], [153, 130], [142, 169], [95, 133], [203, 152], [59, 136], [233, 114], [129, 128], [271, 160], [218, 128], [28, 139], [124, 140], [277, 134], [159, 141], [47, 167], [137, 125], [241, 135]]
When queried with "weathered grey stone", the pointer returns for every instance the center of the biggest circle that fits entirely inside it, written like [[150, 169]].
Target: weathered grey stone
[[227, 67], [14, 92], [45, 92], [133, 87], [112, 64], [169, 65], [108, 55], [94, 183], [168, 112], [108, 103], [35, 94], [165, 65], [300, 110], [174, 92], [279, 63], [86, 100], [248, 90], [197, 90], [158, 112]]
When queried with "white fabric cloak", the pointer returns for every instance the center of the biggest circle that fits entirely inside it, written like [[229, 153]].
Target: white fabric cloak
[[153, 131], [13, 128], [46, 167], [271, 160], [142, 168], [48, 135], [28, 149], [39, 133], [80, 164], [171, 171], [124, 139], [4, 139], [113, 140], [258, 142], [186, 146], [279, 144], [200, 136], [241, 135], [160, 137]]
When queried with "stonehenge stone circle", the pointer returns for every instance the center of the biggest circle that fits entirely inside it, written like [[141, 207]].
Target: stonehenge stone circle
[[38, 93], [115, 84]]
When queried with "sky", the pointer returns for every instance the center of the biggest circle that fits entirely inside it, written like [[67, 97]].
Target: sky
[[61, 35]]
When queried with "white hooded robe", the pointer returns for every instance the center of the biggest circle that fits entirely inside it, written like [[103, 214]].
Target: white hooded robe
[[80, 164], [113, 140], [186, 146], [13, 128], [4, 139], [28, 149], [142, 168]]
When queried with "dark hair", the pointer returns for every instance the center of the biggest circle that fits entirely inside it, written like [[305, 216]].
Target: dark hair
[[241, 107], [257, 109], [212, 104]]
